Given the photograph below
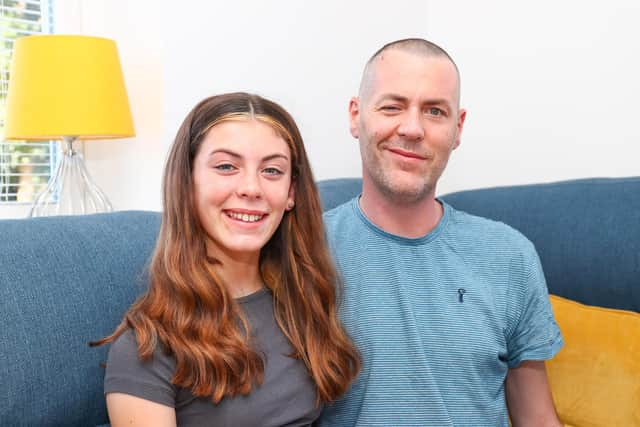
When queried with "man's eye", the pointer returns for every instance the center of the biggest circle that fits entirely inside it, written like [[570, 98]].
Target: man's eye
[[389, 108], [225, 167], [435, 111]]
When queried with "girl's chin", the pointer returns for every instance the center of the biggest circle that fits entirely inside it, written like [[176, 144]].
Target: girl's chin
[[242, 250]]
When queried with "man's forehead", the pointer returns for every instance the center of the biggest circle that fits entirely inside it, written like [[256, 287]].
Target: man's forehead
[[412, 72], [396, 60]]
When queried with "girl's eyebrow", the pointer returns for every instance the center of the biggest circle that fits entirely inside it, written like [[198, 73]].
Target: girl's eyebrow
[[275, 156], [224, 151], [239, 156]]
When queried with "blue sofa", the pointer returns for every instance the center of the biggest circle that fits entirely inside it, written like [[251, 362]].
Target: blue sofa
[[65, 281]]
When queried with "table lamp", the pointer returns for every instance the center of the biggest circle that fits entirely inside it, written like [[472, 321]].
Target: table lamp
[[71, 88]]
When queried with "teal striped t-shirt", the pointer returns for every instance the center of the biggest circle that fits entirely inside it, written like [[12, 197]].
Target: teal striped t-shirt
[[438, 319]]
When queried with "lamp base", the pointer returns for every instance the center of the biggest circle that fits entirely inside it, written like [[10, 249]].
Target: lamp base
[[71, 191]]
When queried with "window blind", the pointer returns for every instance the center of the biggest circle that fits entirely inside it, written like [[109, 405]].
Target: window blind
[[25, 167]]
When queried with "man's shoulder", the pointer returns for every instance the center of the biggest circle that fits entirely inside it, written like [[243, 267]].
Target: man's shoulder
[[341, 214], [477, 229]]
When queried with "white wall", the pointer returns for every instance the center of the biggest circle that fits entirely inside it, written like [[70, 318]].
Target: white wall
[[552, 88], [129, 170], [307, 56]]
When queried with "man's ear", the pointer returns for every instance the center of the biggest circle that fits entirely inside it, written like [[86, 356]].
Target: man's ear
[[462, 115], [354, 112]]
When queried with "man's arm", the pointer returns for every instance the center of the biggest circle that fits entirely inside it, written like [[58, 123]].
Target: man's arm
[[529, 397]]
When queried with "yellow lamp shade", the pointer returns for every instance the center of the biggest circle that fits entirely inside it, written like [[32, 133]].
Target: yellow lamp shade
[[64, 85]]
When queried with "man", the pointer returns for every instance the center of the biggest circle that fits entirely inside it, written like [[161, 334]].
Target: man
[[450, 311]]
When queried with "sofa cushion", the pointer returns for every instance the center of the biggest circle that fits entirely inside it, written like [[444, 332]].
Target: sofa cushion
[[595, 378]]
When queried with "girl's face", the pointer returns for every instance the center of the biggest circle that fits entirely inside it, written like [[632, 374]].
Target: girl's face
[[242, 185]]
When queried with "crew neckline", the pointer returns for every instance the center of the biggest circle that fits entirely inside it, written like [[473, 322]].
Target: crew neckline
[[430, 236], [252, 296]]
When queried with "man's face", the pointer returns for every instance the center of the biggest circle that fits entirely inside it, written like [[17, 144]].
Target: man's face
[[407, 121]]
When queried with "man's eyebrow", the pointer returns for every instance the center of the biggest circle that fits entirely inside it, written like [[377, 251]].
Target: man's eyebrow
[[437, 101], [400, 98], [392, 97], [239, 156]]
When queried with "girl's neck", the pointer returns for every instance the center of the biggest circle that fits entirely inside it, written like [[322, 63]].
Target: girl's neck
[[241, 275]]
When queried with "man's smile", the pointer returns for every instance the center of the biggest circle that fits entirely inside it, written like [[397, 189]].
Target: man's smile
[[407, 154]]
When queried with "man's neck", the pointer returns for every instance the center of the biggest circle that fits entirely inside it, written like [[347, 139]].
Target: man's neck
[[404, 219]]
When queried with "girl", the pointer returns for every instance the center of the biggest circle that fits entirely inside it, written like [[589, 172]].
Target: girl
[[238, 326]]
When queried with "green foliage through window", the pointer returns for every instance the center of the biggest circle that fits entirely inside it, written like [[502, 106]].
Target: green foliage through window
[[25, 167]]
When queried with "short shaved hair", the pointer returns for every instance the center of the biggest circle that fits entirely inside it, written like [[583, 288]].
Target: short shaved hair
[[415, 46]]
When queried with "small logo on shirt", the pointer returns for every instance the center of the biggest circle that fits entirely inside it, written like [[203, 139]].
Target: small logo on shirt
[[461, 292]]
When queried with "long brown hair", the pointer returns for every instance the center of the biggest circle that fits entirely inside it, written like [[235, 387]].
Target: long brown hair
[[189, 311]]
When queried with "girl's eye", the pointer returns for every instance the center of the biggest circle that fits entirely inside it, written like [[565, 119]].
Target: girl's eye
[[225, 167], [272, 171]]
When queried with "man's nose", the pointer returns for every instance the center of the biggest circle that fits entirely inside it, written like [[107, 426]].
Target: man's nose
[[249, 186], [411, 127]]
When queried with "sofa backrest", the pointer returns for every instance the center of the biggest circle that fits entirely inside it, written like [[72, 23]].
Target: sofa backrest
[[586, 231], [65, 281]]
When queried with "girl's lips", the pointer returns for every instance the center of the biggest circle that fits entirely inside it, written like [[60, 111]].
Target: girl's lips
[[407, 154], [245, 216], [244, 211]]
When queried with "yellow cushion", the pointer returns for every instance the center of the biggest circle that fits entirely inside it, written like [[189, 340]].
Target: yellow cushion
[[595, 378]]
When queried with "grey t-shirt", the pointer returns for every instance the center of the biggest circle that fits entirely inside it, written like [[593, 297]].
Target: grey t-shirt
[[287, 397]]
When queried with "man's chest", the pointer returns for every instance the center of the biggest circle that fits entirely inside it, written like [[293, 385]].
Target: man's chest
[[426, 305]]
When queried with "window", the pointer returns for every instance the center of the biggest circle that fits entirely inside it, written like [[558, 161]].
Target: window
[[25, 167]]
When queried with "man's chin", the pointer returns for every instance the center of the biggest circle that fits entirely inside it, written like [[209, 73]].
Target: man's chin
[[402, 191], [399, 186]]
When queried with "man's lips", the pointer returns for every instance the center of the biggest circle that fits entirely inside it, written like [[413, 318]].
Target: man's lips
[[408, 154]]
